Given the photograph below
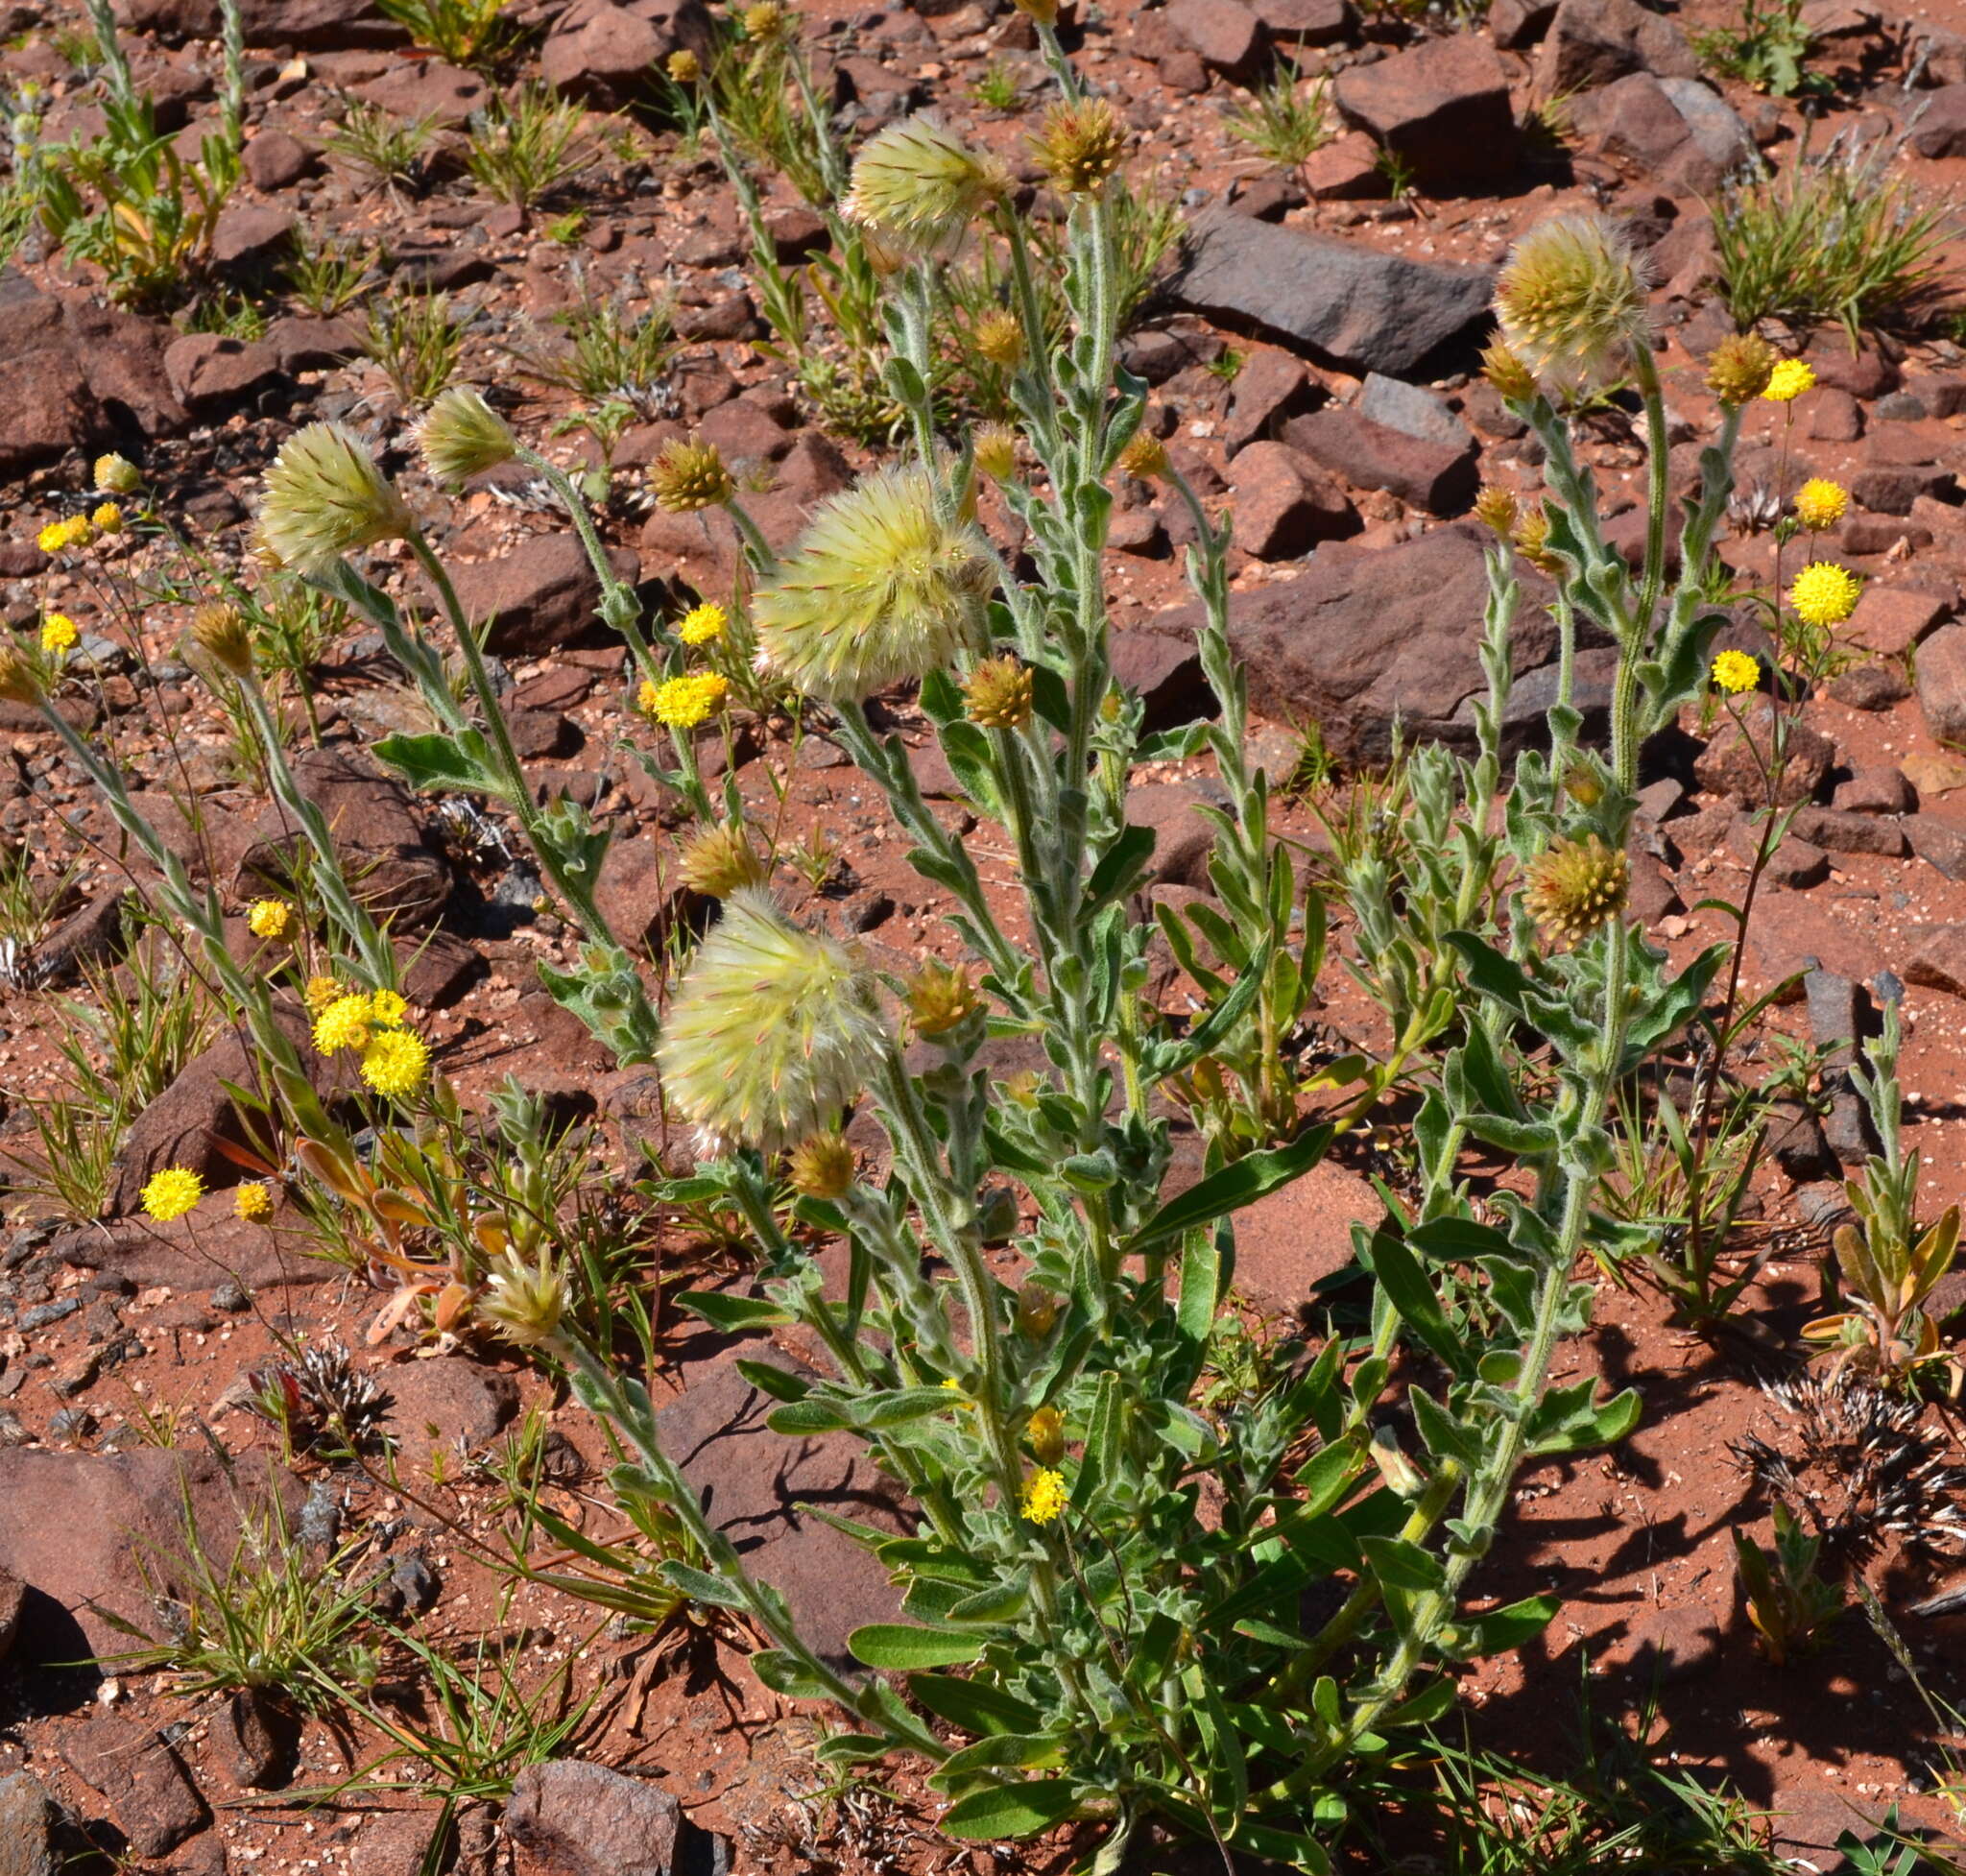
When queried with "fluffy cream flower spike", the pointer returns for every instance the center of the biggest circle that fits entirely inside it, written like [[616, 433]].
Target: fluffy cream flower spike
[[879, 587], [325, 497], [921, 187], [773, 1030], [1573, 298]]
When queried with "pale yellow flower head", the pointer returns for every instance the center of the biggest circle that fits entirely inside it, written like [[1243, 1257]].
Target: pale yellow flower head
[[172, 1192], [270, 919], [252, 1201], [117, 475], [1820, 504], [525, 1302], [771, 1032], [1825, 593], [878, 589], [462, 436], [922, 187], [1736, 671]]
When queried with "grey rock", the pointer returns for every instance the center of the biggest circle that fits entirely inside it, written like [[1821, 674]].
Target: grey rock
[[1412, 410], [29, 1818], [579, 1819], [1343, 303]]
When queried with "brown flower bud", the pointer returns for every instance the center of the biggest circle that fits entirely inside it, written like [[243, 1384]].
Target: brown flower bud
[[1738, 368], [998, 694]]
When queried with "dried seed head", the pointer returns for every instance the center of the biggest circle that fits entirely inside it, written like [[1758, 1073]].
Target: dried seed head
[[325, 497], [1038, 1310], [220, 631], [719, 861], [1082, 144], [941, 998], [1532, 533], [998, 694], [1574, 887], [921, 187], [1507, 372], [462, 436], [879, 587], [1000, 337], [766, 20], [994, 446], [1496, 508], [19, 682], [1739, 367], [1144, 457], [1572, 300], [822, 1166], [773, 1030], [689, 476]]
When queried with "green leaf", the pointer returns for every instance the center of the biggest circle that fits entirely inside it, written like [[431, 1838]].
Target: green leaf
[[1120, 867], [700, 1586], [785, 1673], [431, 764], [976, 1706], [733, 1314], [1409, 1292], [811, 1415], [1012, 1811], [1503, 1630], [1231, 1188], [898, 1645], [768, 1377], [897, 1406], [1398, 1564]]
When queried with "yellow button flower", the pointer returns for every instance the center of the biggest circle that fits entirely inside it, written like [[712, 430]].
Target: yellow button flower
[[343, 1024], [683, 703], [117, 475], [396, 1062], [172, 1192], [269, 918], [252, 1201], [58, 632], [108, 517], [1788, 381], [57, 537], [1043, 1497], [1820, 504], [1825, 593], [387, 1009], [702, 624], [1737, 671]]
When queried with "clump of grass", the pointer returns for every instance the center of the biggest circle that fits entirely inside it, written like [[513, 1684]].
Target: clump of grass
[[524, 150], [392, 151], [465, 32], [612, 353], [1282, 124], [416, 340], [326, 275], [1835, 240]]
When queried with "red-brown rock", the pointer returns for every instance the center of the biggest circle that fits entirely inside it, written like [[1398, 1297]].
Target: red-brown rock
[[1443, 106]]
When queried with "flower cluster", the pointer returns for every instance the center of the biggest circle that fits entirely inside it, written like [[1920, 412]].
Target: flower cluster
[[253, 1202], [395, 1060], [1044, 1496], [172, 1192], [1820, 504], [58, 537], [683, 703], [270, 919], [59, 633]]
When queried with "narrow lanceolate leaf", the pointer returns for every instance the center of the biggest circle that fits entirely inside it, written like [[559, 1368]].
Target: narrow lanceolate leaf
[[1011, 1811], [900, 1646]]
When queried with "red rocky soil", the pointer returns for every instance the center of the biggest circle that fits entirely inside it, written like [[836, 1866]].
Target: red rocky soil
[[1349, 441]]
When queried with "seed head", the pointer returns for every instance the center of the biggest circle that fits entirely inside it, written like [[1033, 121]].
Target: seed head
[[1000, 337], [172, 1192], [19, 682], [878, 589], [1082, 144], [220, 631], [525, 1302], [773, 1030], [719, 860], [1820, 504], [1045, 1430], [1507, 372], [1532, 533], [462, 436], [921, 187], [998, 694], [270, 919], [325, 497], [941, 998], [1038, 1310], [994, 446], [117, 475], [1737, 367], [690, 475], [1571, 301], [1574, 887], [765, 21], [1825, 593], [1496, 507], [319, 993], [822, 1166], [1144, 457]]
